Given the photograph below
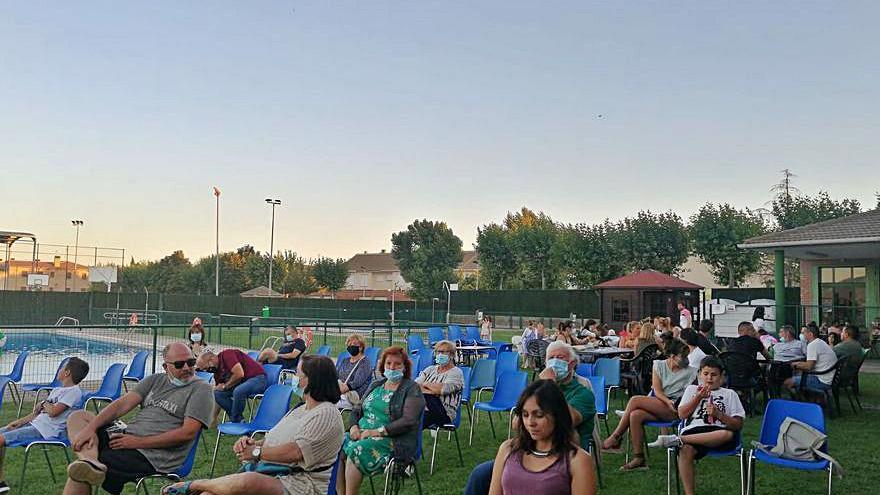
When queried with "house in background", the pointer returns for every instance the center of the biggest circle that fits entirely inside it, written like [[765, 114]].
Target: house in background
[[64, 276], [379, 272]]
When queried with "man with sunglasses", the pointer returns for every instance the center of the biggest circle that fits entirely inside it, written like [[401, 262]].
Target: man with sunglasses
[[174, 408]]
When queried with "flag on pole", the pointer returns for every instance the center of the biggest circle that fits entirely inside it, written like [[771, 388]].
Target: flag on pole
[[216, 191]]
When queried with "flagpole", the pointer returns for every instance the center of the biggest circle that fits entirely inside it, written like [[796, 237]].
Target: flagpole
[[217, 246]]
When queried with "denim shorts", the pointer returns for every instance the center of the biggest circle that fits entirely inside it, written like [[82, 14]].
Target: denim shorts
[[26, 433], [813, 383]]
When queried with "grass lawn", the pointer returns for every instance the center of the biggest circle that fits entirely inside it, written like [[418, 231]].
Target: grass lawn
[[854, 441]]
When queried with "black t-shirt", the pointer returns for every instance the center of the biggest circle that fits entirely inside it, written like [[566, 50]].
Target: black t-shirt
[[746, 345], [705, 346], [287, 348]]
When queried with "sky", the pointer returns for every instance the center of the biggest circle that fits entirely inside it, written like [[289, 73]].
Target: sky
[[363, 116]]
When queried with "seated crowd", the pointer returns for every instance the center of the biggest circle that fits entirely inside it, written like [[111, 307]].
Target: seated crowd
[[554, 422]]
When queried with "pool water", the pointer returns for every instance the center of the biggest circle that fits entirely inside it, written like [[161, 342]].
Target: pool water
[[63, 345]]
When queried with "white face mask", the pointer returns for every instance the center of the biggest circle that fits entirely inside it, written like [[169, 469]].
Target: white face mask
[[195, 337]]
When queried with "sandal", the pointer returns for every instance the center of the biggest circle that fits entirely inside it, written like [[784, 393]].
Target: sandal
[[636, 464], [616, 448], [177, 488]]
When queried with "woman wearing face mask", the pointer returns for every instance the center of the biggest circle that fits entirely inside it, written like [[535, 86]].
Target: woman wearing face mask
[[386, 424], [669, 379], [297, 455], [354, 373], [441, 385], [288, 354], [196, 337]]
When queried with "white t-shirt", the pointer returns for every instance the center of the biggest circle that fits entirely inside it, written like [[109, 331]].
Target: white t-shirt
[[51, 427], [684, 319], [724, 399], [818, 350], [696, 357], [758, 323]]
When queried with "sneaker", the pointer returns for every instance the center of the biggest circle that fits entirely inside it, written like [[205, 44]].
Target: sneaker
[[3, 487], [85, 472], [666, 441], [619, 412]]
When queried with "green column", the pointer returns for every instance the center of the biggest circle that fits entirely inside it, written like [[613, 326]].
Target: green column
[[779, 286], [872, 293]]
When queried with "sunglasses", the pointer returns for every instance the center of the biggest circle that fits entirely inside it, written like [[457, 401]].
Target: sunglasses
[[179, 364]]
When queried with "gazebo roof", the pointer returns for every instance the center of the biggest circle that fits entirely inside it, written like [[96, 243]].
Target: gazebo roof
[[647, 279], [9, 238]]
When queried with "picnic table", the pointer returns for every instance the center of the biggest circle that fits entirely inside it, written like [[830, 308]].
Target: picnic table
[[467, 352], [590, 354]]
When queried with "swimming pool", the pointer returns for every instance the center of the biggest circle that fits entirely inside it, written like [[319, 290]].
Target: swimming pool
[[63, 345]]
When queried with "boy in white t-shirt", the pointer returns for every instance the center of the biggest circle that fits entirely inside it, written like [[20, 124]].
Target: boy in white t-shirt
[[712, 416], [49, 419]]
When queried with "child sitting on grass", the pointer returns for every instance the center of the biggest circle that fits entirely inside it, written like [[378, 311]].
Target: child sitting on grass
[[49, 419], [712, 416]]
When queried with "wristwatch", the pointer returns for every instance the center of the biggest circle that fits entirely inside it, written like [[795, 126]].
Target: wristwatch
[[256, 453], [382, 431]]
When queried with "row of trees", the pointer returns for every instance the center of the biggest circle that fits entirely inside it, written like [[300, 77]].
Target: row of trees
[[240, 270]]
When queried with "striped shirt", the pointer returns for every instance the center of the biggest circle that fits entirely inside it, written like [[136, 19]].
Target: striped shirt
[[453, 383]]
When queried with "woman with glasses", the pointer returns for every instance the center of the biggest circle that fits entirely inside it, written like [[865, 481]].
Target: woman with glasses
[[441, 385]]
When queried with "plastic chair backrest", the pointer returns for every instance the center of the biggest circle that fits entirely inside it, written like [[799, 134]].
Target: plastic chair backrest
[[507, 361], [111, 386], [205, 375], [414, 343], [331, 488], [18, 367], [253, 355], [273, 407], [138, 366], [472, 333], [483, 373], [584, 370], [55, 381], [510, 386], [273, 371], [372, 353], [466, 391], [425, 360], [740, 369], [324, 350], [598, 383], [416, 361], [609, 369], [455, 333], [187, 466], [435, 334], [779, 409], [342, 356]]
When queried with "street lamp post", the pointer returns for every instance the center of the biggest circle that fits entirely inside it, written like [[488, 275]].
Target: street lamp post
[[76, 224], [433, 300], [274, 203], [448, 299]]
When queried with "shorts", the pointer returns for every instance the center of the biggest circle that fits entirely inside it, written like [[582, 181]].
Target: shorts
[[702, 450], [813, 383], [123, 465], [21, 435]]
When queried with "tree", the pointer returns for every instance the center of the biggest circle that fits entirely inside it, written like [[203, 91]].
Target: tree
[[796, 211], [296, 276], [715, 232], [495, 255], [590, 254], [330, 274], [532, 237], [427, 253], [654, 241]]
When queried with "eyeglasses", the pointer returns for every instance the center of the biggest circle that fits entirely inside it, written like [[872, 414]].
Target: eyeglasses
[[179, 364]]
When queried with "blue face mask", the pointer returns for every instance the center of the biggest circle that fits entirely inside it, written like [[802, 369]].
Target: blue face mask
[[195, 337], [177, 382], [393, 376], [560, 367], [288, 337], [803, 337], [441, 359], [297, 390]]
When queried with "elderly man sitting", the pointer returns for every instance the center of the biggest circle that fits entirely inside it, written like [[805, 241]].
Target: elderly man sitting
[[561, 363], [174, 407]]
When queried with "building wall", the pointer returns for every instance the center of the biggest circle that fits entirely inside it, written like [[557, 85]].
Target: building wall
[[78, 280], [375, 281]]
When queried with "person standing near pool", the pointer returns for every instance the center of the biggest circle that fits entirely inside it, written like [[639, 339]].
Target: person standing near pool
[[236, 376], [196, 337]]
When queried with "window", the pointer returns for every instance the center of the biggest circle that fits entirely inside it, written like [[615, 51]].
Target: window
[[84, 276], [68, 275], [24, 273], [620, 309], [842, 294]]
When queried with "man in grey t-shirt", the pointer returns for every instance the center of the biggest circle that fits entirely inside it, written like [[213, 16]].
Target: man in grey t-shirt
[[175, 407]]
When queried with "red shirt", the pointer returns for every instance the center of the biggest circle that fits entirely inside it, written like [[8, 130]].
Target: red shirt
[[229, 358]]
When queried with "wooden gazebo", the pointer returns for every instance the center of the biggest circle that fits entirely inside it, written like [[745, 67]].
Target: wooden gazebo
[[646, 293]]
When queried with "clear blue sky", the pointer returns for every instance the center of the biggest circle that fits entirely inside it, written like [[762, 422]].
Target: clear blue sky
[[362, 116]]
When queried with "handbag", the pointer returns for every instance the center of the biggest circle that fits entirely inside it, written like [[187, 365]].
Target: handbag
[[801, 442], [352, 396], [277, 469]]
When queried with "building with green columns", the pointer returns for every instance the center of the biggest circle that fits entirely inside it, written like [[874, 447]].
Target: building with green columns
[[839, 266]]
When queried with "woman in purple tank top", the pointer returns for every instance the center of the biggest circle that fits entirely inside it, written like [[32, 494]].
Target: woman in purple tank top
[[542, 458]]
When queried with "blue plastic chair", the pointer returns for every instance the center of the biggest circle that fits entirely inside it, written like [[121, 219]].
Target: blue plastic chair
[[674, 424], [672, 464], [15, 378], [182, 472], [253, 355], [39, 388], [435, 334], [137, 369], [455, 334], [342, 357], [324, 350], [331, 488], [483, 375], [372, 353], [776, 412], [273, 407], [466, 391], [585, 370], [598, 383], [450, 427], [473, 335], [426, 359], [414, 344], [507, 391], [273, 376], [110, 390], [500, 347], [507, 361], [610, 369], [205, 375], [416, 361]]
